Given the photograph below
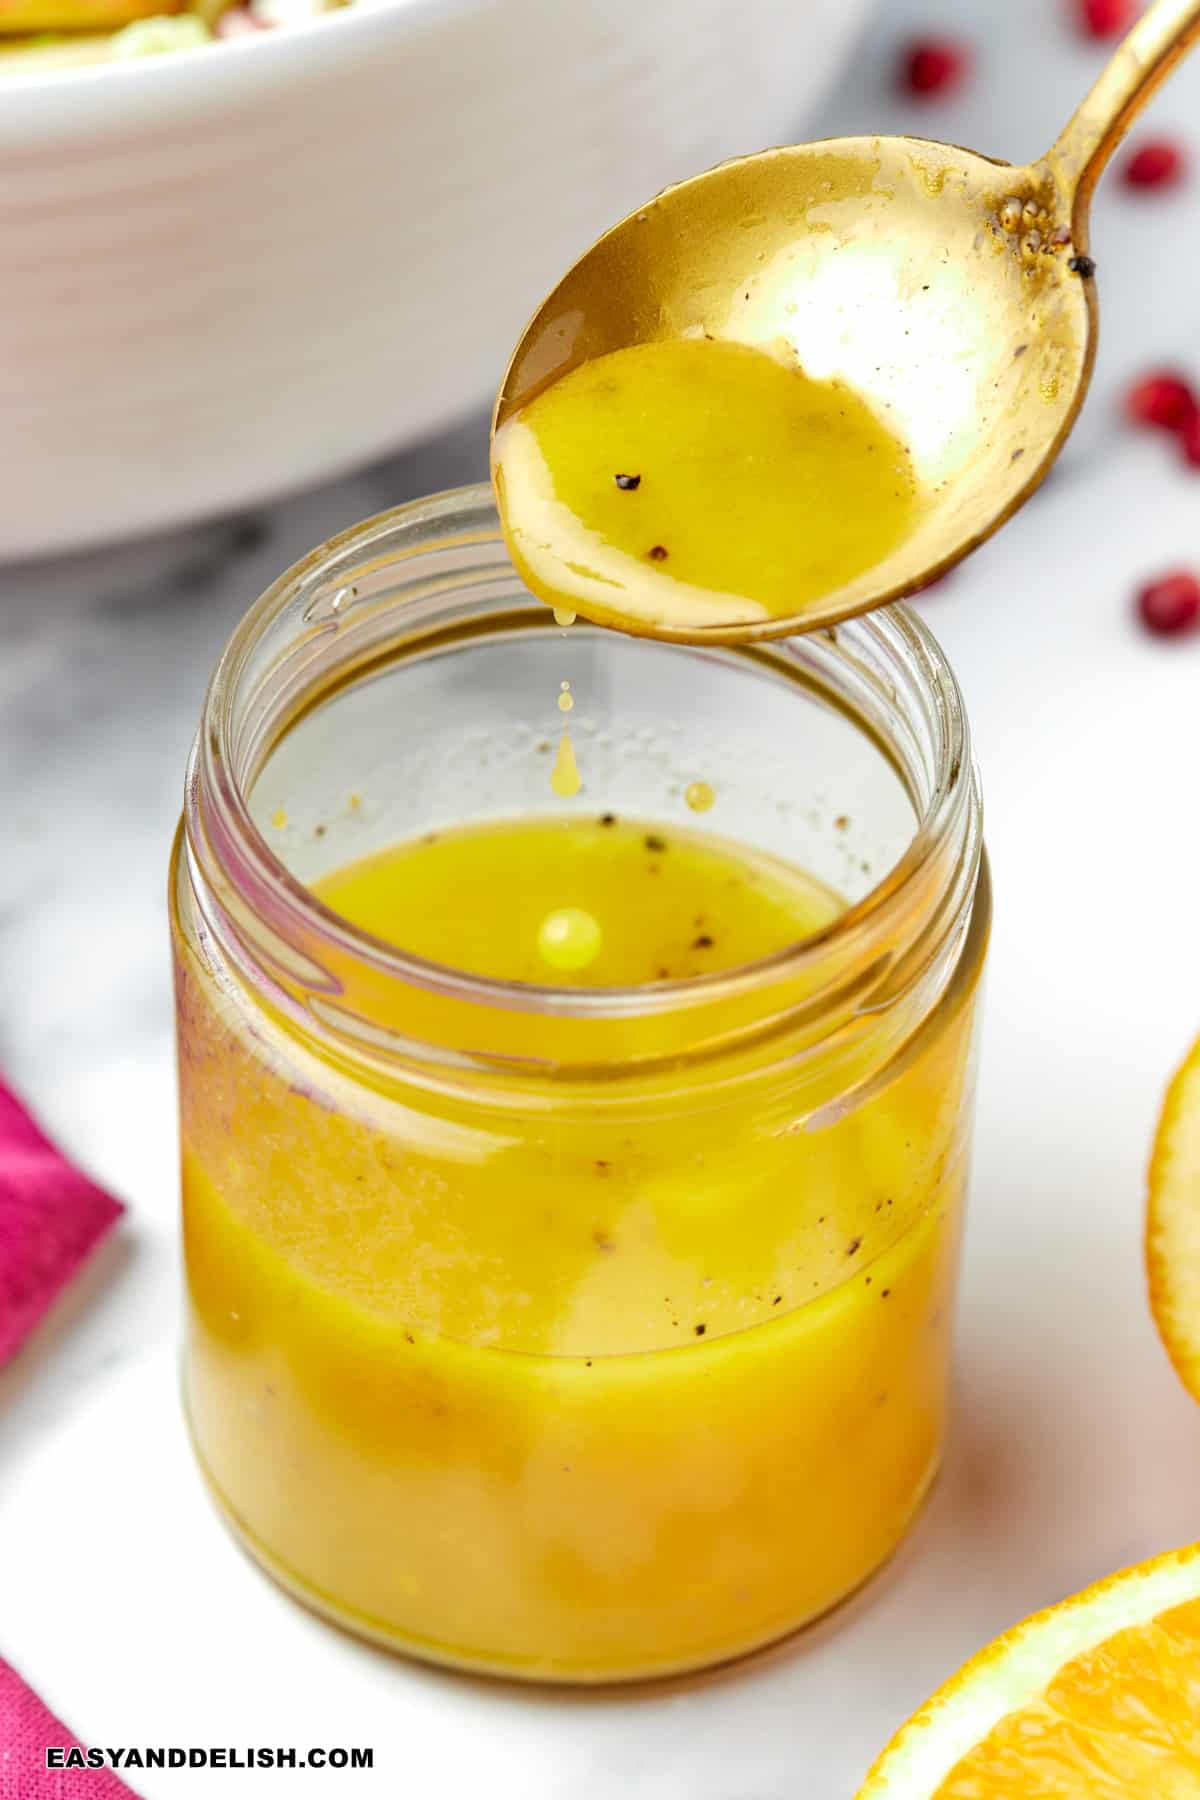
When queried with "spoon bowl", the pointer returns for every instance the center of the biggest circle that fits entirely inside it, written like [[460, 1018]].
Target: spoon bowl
[[954, 294]]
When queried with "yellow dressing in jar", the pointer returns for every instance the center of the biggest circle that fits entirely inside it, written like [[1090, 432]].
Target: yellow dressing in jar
[[695, 483], [668, 904], [572, 1395]]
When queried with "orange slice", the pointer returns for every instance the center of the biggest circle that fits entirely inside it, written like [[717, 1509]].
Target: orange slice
[[1096, 1699], [1173, 1224]]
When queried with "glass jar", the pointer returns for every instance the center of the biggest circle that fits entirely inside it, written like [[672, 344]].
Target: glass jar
[[577, 1334]]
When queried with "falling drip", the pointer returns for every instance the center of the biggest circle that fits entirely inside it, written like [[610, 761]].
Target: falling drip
[[565, 779], [700, 796], [565, 700]]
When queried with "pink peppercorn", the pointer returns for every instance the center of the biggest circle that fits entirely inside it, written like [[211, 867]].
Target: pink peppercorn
[[1189, 440], [1106, 18], [1162, 399], [933, 66], [1158, 164], [1170, 605]]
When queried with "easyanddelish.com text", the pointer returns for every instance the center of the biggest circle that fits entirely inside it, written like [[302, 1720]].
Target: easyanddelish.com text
[[71, 1756]]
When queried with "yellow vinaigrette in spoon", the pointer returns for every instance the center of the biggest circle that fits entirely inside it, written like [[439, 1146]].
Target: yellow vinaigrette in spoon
[[698, 483]]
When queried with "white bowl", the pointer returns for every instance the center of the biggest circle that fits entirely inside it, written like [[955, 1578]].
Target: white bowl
[[233, 271]]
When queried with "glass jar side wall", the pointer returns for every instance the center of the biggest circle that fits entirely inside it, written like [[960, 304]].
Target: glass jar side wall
[[573, 1336]]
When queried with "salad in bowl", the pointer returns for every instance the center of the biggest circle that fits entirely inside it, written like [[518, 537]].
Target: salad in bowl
[[67, 34]]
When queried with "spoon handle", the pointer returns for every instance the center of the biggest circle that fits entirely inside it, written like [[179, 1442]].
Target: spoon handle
[[1164, 34]]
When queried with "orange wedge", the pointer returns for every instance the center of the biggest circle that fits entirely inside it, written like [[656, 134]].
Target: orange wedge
[[1096, 1699], [1173, 1224]]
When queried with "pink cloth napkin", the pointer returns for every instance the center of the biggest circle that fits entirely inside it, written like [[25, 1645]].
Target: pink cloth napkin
[[27, 1728], [51, 1217]]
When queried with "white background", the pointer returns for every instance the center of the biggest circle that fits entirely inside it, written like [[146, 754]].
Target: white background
[[1074, 1450]]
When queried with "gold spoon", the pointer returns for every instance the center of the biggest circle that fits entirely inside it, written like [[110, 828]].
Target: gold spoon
[[954, 293]]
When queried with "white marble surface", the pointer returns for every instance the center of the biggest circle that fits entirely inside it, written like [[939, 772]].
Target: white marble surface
[[1074, 1450]]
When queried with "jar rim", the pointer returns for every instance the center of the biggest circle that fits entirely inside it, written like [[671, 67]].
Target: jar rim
[[217, 812]]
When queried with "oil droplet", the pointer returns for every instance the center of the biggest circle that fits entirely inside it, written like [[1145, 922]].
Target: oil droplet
[[564, 777], [700, 796], [355, 802], [279, 818], [564, 616], [569, 938], [565, 702]]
